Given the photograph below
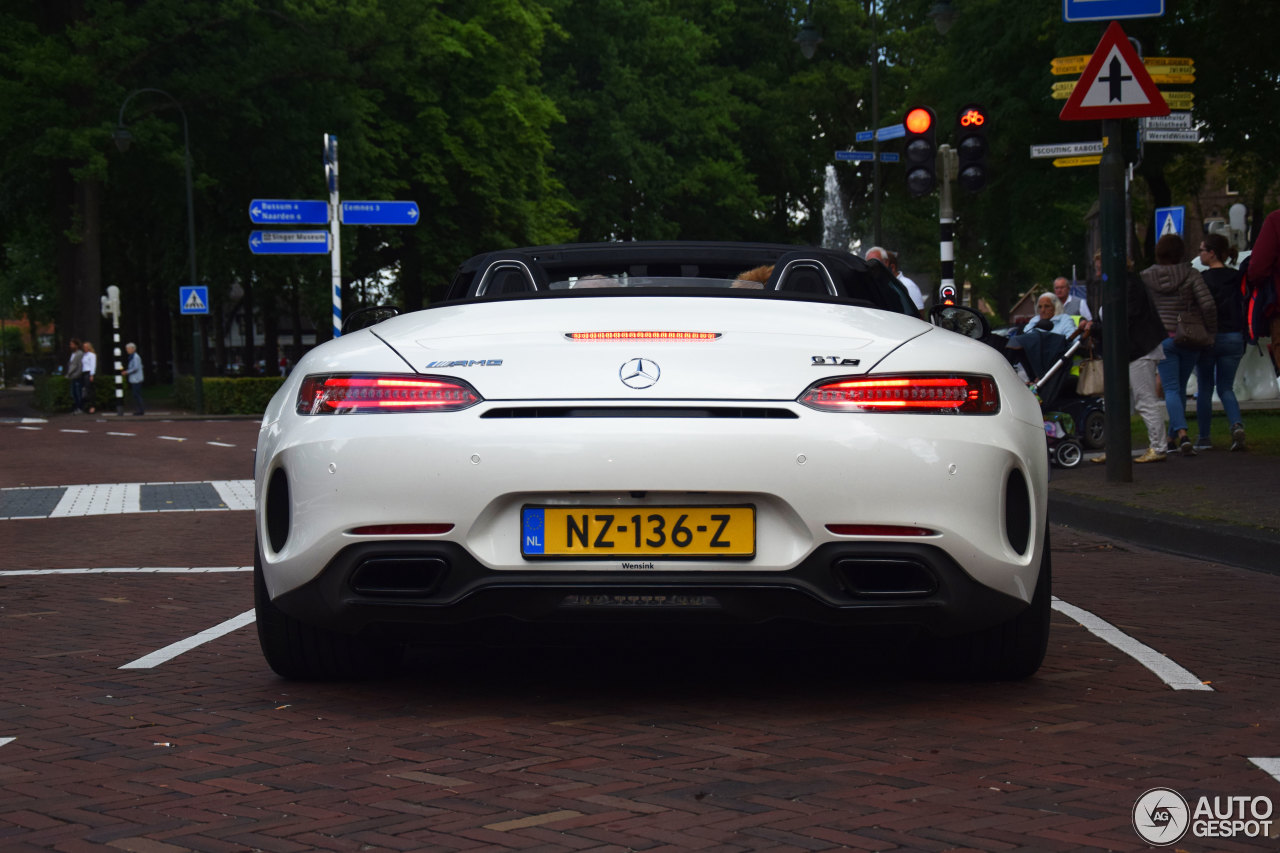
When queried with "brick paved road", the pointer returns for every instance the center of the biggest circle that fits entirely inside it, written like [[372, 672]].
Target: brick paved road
[[554, 748]]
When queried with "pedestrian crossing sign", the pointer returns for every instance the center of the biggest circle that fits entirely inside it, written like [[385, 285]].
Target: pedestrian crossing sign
[[193, 300], [1170, 220]]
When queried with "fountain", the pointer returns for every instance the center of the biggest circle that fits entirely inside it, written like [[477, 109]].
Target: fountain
[[835, 225]]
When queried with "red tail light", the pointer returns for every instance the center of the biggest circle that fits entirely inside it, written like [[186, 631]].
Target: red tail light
[[371, 393], [938, 394], [880, 530]]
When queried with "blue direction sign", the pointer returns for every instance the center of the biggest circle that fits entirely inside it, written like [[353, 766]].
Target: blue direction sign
[[193, 300], [864, 136], [888, 157], [854, 155], [893, 131], [289, 242], [1108, 10], [379, 213], [281, 211]]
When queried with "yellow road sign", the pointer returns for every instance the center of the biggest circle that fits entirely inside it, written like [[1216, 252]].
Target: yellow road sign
[[1178, 100], [1065, 85], [1168, 60], [1059, 67], [1087, 160], [1173, 79]]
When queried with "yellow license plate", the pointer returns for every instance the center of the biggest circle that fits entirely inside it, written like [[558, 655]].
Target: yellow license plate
[[651, 531]]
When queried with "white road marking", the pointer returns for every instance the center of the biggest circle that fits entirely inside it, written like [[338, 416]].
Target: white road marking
[[129, 434], [5, 741], [122, 570], [36, 429], [236, 494], [219, 444], [78, 431], [170, 438], [1165, 669], [1269, 765], [172, 650], [102, 499]]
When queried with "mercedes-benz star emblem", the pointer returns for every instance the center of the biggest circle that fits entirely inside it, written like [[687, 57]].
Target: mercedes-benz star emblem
[[639, 373]]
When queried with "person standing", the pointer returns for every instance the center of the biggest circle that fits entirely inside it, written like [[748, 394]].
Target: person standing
[[1076, 306], [1146, 350], [1218, 364], [1264, 268], [88, 366], [890, 260], [132, 371], [74, 371], [1173, 285]]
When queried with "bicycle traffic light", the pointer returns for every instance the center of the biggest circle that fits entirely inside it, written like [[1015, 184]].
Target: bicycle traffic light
[[972, 123], [922, 150]]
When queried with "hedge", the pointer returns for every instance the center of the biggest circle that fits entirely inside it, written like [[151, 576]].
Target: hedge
[[222, 395]]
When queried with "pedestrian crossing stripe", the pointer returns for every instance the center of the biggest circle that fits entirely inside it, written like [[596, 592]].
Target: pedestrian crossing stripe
[[194, 302]]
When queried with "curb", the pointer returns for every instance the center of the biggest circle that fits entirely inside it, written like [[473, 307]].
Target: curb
[[1213, 541]]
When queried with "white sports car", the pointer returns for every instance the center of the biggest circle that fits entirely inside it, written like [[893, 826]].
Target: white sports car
[[640, 434]]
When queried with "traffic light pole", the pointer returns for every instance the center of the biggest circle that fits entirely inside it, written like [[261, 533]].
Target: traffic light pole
[[947, 161]]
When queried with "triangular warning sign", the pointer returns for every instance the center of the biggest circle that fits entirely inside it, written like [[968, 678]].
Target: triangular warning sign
[[1115, 84], [1169, 227], [194, 302]]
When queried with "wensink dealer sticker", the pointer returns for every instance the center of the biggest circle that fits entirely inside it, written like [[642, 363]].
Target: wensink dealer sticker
[[1162, 817]]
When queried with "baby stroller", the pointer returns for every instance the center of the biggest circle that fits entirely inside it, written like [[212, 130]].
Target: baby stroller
[[1070, 421]]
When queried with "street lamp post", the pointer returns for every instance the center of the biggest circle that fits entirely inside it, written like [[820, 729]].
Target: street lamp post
[[123, 138]]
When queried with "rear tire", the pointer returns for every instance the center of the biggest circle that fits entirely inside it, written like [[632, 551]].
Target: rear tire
[[1009, 651], [302, 652]]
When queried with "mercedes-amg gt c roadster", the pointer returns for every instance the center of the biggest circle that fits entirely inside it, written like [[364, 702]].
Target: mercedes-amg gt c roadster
[[654, 435]]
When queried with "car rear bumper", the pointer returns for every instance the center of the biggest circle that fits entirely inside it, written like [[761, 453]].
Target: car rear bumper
[[412, 588]]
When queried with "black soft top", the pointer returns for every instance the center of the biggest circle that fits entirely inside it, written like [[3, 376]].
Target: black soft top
[[804, 272]]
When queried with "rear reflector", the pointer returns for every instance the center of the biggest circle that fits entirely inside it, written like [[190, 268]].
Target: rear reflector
[[401, 529], [879, 530], [642, 336], [368, 393], [950, 393]]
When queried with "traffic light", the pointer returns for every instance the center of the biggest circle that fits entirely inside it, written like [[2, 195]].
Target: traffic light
[[972, 123], [922, 150]]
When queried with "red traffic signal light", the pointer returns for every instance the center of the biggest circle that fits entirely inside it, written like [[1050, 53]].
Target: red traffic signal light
[[921, 151], [918, 120], [971, 146]]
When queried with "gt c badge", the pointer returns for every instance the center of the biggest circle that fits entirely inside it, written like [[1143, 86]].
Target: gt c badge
[[639, 373]]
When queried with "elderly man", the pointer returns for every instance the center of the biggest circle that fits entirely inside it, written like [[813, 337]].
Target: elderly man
[[1074, 305], [132, 371], [890, 260], [1047, 309]]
